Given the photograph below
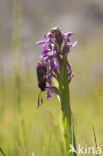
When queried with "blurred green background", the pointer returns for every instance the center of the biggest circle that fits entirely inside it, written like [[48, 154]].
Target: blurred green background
[[23, 128]]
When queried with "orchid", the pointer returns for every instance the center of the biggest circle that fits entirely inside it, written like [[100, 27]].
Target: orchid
[[56, 47]]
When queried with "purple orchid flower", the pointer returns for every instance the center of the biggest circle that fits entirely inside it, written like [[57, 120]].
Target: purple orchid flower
[[55, 47]]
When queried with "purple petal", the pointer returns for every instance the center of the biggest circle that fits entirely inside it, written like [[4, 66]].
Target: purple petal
[[40, 42], [49, 80], [73, 74], [69, 71], [51, 35], [53, 91], [44, 51], [68, 34], [45, 38], [48, 95], [70, 44], [73, 44], [69, 68], [54, 64], [45, 57]]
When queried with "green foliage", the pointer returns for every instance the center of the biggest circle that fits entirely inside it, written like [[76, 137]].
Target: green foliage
[[37, 130], [25, 129]]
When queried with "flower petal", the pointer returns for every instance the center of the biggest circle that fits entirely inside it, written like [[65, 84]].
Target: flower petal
[[40, 42], [45, 37], [48, 95], [73, 44]]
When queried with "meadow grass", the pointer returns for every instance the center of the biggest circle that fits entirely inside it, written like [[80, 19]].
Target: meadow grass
[[25, 129], [37, 130]]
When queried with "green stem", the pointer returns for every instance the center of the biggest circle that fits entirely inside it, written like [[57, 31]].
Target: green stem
[[66, 122]]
